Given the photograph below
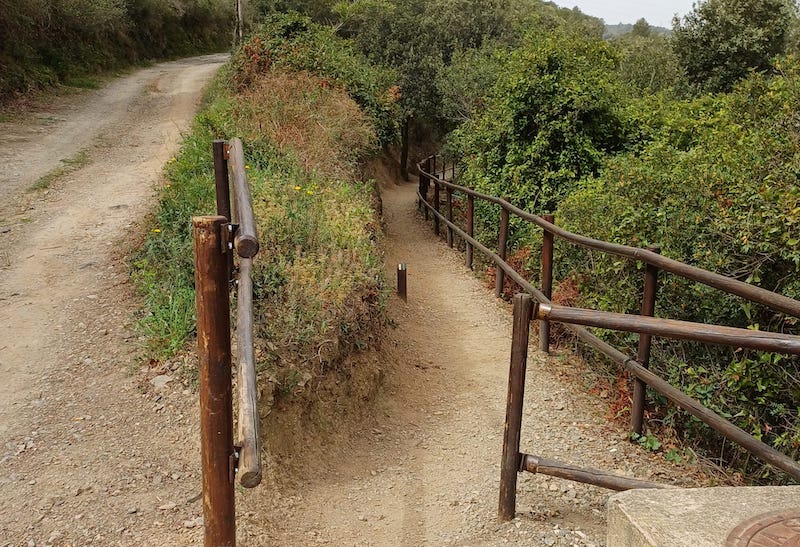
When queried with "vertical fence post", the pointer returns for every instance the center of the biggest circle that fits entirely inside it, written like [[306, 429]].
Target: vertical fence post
[[402, 282], [523, 310], [214, 349], [547, 282], [436, 203], [426, 185], [502, 247], [221, 183], [433, 167], [645, 342], [470, 227], [449, 216]]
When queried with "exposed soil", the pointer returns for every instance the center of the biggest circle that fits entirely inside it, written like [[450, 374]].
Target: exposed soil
[[100, 448], [425, 470], [88, 456]]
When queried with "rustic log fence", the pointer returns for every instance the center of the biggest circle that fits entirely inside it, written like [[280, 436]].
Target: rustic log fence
[[575, 319], [216, 240]]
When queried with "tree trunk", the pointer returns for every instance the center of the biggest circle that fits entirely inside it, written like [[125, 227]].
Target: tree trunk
[[404, 148]]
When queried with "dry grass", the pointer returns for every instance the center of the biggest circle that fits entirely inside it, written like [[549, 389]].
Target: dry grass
[[304, 116]]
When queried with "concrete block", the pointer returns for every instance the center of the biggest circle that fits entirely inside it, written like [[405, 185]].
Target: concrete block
[[696, 517]]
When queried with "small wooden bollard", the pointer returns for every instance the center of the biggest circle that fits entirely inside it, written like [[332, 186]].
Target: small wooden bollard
[[510, 464], [212, 283], [402, 282]]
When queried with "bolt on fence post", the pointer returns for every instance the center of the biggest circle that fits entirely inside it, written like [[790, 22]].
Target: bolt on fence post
[[547, 282], [510, 465], [402, 282], [502, 247], [436, 205], [214, 349], [645, 342], [470, 227], [450, 216]]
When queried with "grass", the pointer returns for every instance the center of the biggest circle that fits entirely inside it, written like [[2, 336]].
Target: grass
[[318, 280], [68, 165]]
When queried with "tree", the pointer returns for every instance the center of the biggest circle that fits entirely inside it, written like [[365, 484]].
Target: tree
[[720, 41], [642, 28]]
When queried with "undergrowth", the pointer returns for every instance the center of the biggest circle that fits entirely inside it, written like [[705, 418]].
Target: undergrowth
[[318, 279]]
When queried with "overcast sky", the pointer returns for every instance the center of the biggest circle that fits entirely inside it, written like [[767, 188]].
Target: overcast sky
[[657, 12]]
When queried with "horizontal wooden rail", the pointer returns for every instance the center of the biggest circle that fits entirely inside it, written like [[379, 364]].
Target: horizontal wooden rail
[[246, 241], [537, 464], [670, 328], [690, 405], [732, 286], [249, 439]]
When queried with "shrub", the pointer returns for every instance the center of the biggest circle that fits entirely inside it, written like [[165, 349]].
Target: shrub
[[716, 187]]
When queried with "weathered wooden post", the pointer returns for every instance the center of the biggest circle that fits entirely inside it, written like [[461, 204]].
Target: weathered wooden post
[[470, 228], [645, 343], [212, 284], [425, 181], [547, 282], [449, 192], [510, 464], [402, 282], [502, 248], [436, 205]]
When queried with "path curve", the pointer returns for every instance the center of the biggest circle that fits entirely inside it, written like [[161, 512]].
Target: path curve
[[426, 472]]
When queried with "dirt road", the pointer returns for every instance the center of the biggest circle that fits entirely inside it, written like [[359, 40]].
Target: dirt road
[[85, 456]]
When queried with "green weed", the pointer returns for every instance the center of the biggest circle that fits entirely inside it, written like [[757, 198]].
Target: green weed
[[68, 165]]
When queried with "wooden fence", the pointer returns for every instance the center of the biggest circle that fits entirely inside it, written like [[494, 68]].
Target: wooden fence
[[216, 240], [575, 319]]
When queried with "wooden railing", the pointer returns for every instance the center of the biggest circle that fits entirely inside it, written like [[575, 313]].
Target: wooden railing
[[216, 240], [576, 319]]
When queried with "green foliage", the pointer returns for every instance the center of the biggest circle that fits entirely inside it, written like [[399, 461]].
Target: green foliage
[[549, 122], [720, 41], [318, 279], [294, 42], [61, 40], [715, 184], [648, 63]]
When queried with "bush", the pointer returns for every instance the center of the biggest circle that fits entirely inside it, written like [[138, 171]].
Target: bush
[[293, 42], [716, 187], [318, 280]]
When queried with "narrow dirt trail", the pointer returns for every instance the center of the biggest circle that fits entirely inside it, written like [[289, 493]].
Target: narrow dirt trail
[[88, 456], [427, 471]]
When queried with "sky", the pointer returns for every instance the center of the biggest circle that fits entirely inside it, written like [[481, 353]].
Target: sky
[[657, 12]]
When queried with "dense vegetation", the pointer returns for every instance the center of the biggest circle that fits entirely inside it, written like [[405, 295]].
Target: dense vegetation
[[319, 288], [46, 42], [687, 140]]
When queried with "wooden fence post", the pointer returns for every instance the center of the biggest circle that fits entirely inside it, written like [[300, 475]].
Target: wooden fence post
[[645, 343], [547, 282], [510, 465], [214, 349], [502, 247], [436, 198], [426, 185], [470, 228], [449, 192]]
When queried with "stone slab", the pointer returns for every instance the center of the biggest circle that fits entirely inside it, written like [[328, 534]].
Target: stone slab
[[696, 517]]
